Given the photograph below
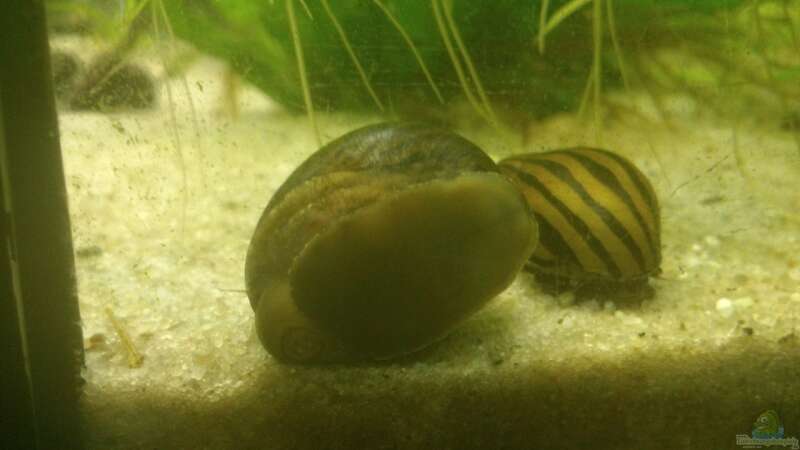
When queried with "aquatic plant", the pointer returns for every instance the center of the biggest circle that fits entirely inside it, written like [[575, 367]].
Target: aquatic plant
[[508, 60]]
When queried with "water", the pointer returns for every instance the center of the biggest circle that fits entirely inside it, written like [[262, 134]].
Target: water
[[164, 201]]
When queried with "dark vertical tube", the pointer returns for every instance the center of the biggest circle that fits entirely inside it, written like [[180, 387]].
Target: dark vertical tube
[[41, 262], [17, 425]]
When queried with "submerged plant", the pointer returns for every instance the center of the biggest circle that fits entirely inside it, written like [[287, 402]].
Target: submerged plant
[[509, 60]]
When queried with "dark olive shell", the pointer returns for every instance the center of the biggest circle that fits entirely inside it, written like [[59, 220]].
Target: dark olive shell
[[598, 216], [382, 241]]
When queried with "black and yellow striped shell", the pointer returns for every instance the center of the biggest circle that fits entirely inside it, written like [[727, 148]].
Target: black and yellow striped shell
[[598, 217], [381, 242]]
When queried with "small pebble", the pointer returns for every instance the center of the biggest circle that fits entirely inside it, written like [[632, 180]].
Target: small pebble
[[95, 342], [725, 307], [740, 278], [712, 200], [88, 251]]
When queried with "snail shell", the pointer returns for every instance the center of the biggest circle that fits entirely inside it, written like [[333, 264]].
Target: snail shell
[[599, 220], [381, 242]]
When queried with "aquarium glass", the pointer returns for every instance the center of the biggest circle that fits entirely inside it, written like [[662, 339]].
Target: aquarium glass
[[658, 309]]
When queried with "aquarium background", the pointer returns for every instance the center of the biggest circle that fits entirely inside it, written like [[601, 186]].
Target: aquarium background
[[180, 119]]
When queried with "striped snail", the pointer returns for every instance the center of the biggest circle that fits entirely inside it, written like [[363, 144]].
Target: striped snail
[[599, 221], [381, 242]]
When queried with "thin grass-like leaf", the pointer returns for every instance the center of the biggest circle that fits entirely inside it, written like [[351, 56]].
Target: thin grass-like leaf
[[559, 16], [307, 9], [135, 11], [597, 64], [353, 57], [587, 90], [173, 127], [448, 13], [612, 29], [413, 48], [301, 68], [545, 5], [184, 83], [790, 25], [454, 59]]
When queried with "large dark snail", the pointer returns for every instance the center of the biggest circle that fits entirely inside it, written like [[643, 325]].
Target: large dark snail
[[381, 242], [599, 221]]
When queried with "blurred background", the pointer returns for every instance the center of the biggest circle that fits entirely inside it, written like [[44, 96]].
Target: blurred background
[[504, 62], [180, 118]]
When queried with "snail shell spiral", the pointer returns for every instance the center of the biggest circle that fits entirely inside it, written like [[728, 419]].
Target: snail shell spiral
[[599, 220], [381, 242]]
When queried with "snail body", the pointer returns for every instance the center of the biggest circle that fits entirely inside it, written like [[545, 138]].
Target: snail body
[[381, 242], [598, 217]]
